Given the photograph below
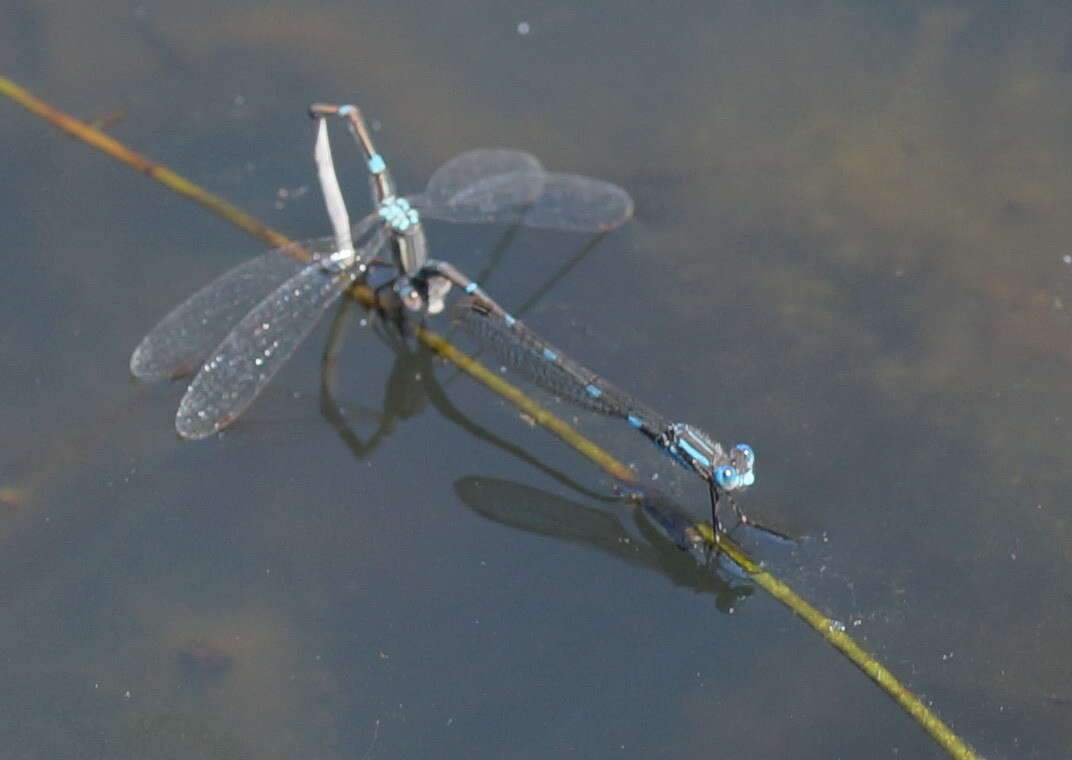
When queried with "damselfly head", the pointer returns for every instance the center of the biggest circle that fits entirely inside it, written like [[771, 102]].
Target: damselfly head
[[743, 459]]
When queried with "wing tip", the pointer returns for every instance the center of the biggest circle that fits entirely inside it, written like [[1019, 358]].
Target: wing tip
[[193, 427]]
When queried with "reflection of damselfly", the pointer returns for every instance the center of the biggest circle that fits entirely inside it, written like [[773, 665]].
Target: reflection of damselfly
[[242, 327], [533, 510], [723, 470], [413, 382]]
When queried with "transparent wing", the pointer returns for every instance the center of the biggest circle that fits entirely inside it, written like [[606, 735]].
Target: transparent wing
[[255, 350], [182, 339], [459, 181], [498, 185], [482, 185], [580, 204]]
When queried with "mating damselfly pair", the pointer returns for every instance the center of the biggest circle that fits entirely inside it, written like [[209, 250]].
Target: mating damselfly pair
[[240, 329]]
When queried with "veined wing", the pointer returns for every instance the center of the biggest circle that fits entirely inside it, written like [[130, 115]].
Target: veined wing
[[547, 366], [579, 204], [459, 183], [498, 185], [256, 348], [182, 339], [482, 185]]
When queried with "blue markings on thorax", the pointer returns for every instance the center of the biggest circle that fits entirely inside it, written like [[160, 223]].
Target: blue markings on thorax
[[694, 453], [398, 214], [694, 450]]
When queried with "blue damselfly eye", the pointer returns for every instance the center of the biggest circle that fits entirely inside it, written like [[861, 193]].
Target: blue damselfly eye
[[749, 455], [727, 478]]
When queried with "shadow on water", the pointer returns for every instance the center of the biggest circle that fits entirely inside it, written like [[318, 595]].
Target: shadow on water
[[539, 512]]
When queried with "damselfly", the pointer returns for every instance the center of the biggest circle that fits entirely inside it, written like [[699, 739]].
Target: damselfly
[[242, 327], [723, 470]]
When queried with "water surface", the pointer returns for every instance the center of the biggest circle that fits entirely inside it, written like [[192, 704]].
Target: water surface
[[850, 250]]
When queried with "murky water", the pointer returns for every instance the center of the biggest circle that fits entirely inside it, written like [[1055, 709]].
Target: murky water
[[850, 249]]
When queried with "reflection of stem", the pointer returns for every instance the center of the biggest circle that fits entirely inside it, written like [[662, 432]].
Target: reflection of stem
[[446, 407], [825, 627], [329, 407], [412, 381]]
